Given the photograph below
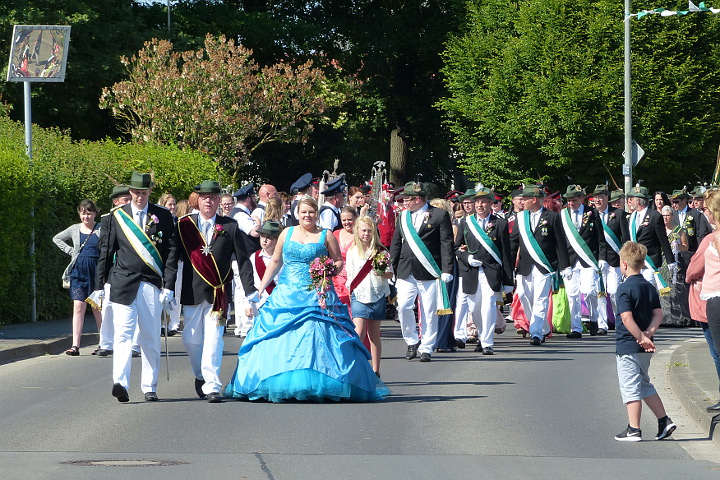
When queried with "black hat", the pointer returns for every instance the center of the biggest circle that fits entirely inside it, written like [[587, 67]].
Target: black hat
[[140, 181], [365, 189], [335, 186], [244, 192], [301, 183], [119, 190], [209, 186], [270, 228], [453, 195]]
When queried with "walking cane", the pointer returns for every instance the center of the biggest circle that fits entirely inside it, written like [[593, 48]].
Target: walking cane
[[166, 322]]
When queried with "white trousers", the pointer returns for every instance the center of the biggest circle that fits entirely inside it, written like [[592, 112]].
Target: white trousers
[[461, 313], [203, 340], [426, 290], [611, 277], [534, 293], [583, 281], [176, 308], [107, 330], [483, 307], [243, 323], [144, 314]]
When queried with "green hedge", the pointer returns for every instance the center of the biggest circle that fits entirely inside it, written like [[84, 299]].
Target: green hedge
[[63, 173]]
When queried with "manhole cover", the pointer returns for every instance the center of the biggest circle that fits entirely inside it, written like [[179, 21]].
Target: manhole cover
[[125, 463]]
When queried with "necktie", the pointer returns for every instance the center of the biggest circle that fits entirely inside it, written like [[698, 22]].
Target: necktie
[[534, 220], [139, 218], [206, 231], [577, 219]]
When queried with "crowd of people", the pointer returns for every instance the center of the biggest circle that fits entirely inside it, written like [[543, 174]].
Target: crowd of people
[[309, 283]]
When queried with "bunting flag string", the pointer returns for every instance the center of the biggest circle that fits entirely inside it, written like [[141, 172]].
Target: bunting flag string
[[692, 8]]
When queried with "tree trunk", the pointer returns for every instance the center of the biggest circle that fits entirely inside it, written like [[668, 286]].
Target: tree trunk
[[398, 156]]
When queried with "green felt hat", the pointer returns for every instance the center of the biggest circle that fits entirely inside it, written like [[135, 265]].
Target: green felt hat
[[574, 191], [208, 186]]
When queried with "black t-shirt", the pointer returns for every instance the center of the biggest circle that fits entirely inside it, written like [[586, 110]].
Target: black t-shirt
[[640, 297]]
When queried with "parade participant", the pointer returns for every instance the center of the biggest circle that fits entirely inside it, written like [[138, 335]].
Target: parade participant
[[120, 196], [482, 247], [639, 309], [81, 241], [692, 221], [329, 216], [245, 197], [645, 226], [698, 201], [345, 237], [467, 201], [303, 186], [269, 233], [584, 235], [615, 232], [303, 345], [140, 239], [227, 204], [368, 271], [265, 193], [617, 200], [208, 243], [539, 240], [497, 205], [422, 255]]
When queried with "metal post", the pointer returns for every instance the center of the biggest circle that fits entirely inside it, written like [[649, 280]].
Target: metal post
[[168, 7], [28, 150], [629, 154]]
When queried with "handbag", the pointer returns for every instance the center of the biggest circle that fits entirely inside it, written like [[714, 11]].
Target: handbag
[[71, 265]]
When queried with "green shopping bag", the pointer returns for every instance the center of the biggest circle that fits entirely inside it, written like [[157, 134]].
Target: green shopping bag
[[561, 320]]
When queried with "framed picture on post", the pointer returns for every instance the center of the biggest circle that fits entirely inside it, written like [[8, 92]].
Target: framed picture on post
[[38, 53]]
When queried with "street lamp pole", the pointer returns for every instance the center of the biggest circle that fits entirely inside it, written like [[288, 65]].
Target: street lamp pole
[[629, 154]]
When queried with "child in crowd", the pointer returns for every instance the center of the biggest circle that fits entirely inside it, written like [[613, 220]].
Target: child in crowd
[[269, 233], [368, 272], [638, 305]]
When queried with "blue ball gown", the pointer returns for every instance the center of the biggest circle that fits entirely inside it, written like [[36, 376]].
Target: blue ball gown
[[297, 350]]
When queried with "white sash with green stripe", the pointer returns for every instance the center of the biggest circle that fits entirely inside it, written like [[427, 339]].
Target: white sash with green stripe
[[140, 242], [533, 247], [484, 239], [426, 260], [580, 245], [659, 280]]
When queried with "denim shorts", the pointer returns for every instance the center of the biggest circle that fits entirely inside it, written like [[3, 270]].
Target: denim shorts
[[370, 311], [633, 376]]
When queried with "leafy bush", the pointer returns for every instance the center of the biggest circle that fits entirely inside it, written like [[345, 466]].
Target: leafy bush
[[45, 196]]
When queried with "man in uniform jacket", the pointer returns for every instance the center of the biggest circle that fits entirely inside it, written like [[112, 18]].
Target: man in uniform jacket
[[482, 246], [208, 243], [585, 279], [615, 231], [692, 221], [416, 278], [646, 226], [140, 238], [539, 241]]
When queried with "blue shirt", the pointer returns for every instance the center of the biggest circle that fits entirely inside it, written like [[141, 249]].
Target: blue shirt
[[640, 297]]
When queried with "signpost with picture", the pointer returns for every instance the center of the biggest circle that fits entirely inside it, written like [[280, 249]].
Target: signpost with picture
[[38, 53]]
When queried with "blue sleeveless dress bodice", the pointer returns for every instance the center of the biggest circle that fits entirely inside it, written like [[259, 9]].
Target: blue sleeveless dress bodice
[[297, 350]]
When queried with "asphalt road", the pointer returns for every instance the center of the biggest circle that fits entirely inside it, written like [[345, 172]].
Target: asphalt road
[[526, 412]]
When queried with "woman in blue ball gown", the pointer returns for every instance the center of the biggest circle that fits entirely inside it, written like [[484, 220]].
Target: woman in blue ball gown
[[297, 349]]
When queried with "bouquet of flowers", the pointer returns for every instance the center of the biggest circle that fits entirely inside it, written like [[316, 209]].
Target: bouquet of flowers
[[322, 269], [381, 262]]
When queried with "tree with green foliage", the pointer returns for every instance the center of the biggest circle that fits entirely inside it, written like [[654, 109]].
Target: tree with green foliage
[[536, 90], [217, 100]]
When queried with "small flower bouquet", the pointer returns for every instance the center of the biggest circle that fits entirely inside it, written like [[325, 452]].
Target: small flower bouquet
[[381, 262], [219, 230], [322, 269]]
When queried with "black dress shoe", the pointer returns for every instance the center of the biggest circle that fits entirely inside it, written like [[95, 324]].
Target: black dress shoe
[[459, 343], [104, 353], [162, 331], [713, 408], [214, 397], [198, 388], [411, 351], [119, 392], [592, 327], [425, 357], [574, 335], [135, 353], [478, 348], [151, 397], [488, 351], [535, 341], [172, 333]]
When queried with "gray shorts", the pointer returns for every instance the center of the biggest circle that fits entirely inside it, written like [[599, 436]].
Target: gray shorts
[[633, 376]]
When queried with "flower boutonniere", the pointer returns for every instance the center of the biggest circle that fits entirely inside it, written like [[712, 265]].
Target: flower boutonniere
[[489, 227], [219, 230], [646, 221], [543, 222], [612, 215], [152, 220]]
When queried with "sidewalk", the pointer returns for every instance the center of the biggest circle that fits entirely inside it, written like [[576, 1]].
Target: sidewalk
[[691, 372]]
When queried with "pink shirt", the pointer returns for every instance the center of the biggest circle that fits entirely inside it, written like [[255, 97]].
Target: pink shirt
[[711, 279]]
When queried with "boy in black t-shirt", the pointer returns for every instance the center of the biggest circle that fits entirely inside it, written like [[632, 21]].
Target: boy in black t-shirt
[[638, 305]]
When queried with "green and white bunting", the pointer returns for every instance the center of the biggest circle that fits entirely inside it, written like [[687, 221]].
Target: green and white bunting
[[663, 12]]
